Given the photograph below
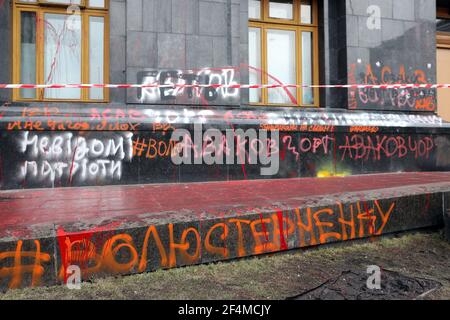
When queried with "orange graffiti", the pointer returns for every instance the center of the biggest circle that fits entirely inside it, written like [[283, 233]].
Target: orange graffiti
[[17, 271], [384, 216], [344, 223], [162, 127], [370, 78], [164, 261], [279, 127], [153, 148], [426, 104], [262, 243], [174, 245], [302, 228], [320, 128], [323, 235], [364, 129], [223, 251], [111, 251], [183, 247]]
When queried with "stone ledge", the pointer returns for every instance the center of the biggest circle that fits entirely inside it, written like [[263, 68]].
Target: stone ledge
[[209, 226]]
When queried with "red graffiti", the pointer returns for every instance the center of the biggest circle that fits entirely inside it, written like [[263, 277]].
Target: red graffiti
[[382, 146]]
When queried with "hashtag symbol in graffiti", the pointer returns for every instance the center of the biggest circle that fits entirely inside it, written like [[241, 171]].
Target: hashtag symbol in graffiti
[[139, 147], [17, 270]]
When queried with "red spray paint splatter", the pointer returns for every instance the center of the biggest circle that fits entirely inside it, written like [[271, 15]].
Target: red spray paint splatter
[[283, 245], [84, 238]]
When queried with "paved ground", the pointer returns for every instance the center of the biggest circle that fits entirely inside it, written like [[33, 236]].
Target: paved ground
[[415, 265]]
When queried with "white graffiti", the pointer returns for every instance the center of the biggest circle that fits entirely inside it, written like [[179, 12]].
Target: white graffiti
[[51, 157], [288, 117], [178, 79]]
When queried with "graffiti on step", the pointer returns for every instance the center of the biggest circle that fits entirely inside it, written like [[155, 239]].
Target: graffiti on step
[[107, 250], [132, 118], [16, 270]]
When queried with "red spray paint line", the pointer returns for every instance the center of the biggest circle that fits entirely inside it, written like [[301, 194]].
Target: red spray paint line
[[334, 154], [283, 245], [264, 229], [84, 238], [71, 166], [283, 150], [291, 97]]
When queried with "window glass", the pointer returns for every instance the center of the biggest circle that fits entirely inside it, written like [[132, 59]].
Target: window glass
[[255, 62], [306, 12], [96, 36], [281, 9], [254, 9], [281, 56], [62, 54], [64, 1], [307, 72], [28, 53], [97, 3]]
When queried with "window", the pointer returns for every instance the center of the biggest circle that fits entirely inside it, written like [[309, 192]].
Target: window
[[60, 42], [283, 49], [443, 27], [443, 60]]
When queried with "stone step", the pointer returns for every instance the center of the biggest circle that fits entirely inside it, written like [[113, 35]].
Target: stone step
[[138, 228]]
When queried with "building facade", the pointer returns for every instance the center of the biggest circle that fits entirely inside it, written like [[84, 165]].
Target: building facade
[[192, 55]]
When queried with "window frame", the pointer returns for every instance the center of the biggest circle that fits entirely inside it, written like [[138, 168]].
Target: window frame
[[266, 23], [40, 8], [443, 38]]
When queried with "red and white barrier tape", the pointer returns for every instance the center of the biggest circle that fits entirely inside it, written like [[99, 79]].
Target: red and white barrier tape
[[218, 86]]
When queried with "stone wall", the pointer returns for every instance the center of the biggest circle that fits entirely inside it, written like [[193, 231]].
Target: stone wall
[[399, 47]]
